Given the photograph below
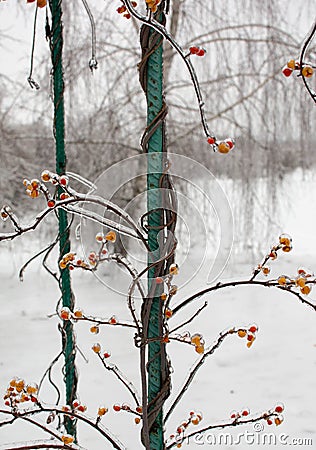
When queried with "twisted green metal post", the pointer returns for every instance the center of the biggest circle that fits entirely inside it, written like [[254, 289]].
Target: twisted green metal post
[[154, 201], [68, 340]]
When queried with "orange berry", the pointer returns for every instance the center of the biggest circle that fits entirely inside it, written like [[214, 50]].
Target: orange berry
[[166, 339], [139, 409], [94, 329], [291, 64], [102, 410], [32, 388], [285, 240], [65, 313], [278, 420], [249, 343], [174, 269], [199, 349], [51, 203], [137, 420], [300, 281], [307, 71], [163, 296], [223, 147], [282, 280], [78, 313], [266, 270], [110, 236], [287, 249], [67, 439], [64, 196], [195, 421], [45, 176], [196, 339], [305, 290], [41, 3], [96, 348], [242, 333]]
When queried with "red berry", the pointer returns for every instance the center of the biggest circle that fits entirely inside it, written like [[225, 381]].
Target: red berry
[[127, 16], [250, 337], [193, 50], [82, 408], [211, 140], [201, 52], [159, 280], [287, 71], [63, 180], [75, 404], [33, 399], [253, 329], [117, 407], [233, 416], [230, 142], [7, 403], [245, 412], [278, 409], [113, 320], [107, 354], [51, 203], [269, 422]]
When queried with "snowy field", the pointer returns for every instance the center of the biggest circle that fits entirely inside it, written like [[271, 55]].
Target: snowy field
[[279, 367]]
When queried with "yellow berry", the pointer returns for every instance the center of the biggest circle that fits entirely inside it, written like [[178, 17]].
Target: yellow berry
[[32, 388]]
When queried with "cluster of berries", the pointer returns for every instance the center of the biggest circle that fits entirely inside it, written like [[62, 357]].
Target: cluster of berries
[[19, 392], [97, 349], [194, 419], [275, 412], [300, 281], [39, 3], [250, 333], [125, 407], [285, 244], [198, 51], [172, 289], [123, 10], [196, 340], [66, 314], [307, 70], [222, 146]]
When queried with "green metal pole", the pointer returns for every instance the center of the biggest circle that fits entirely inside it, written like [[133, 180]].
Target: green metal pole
[[155, 221], [68, 340]]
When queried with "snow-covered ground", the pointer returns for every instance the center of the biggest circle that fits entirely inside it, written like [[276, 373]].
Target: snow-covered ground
[[279, 367]]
